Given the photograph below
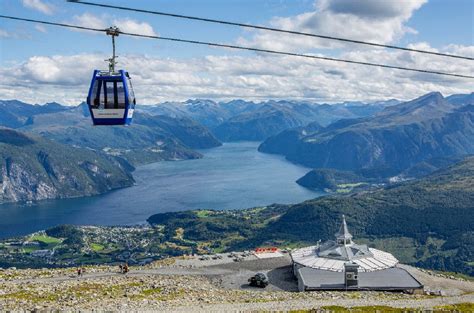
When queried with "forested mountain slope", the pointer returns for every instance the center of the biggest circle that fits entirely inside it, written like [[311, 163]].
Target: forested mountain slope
[[428, 222]]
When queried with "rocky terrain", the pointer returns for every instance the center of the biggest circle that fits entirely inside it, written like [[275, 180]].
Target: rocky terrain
[[33, 168], [189, 284]]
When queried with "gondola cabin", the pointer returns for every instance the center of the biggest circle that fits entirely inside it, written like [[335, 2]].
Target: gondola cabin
[[111, 99]]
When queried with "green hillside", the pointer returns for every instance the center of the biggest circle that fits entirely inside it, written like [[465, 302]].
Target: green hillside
[[427, 222]]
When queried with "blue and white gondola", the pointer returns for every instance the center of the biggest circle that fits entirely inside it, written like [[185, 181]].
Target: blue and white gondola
[[111, 99]]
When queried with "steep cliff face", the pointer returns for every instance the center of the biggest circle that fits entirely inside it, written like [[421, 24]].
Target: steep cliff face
[[32, 168], [397, 138]]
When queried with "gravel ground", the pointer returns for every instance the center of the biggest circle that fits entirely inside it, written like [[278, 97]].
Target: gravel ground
[[185, 285]]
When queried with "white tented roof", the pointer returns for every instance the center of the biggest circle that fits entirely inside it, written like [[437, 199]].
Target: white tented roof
[[332, 255], [309, 257]]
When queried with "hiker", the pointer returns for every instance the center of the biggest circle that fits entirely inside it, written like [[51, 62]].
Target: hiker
[[79, 272], [125, 268]]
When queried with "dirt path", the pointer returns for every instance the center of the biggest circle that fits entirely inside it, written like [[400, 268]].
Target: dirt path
[[434, 283], [132, 273], [204, 286]]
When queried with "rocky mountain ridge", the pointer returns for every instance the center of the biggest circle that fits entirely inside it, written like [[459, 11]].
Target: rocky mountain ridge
[[397, 137], [33, 168], [255, 121]]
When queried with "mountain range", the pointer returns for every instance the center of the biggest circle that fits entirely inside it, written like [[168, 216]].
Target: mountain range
[[380, 139], [392, 140], [149, 139], [244, 120]]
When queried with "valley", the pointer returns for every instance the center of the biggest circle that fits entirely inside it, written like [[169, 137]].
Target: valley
[[310, 156], [408, 183], [395, 219], [228, 171]]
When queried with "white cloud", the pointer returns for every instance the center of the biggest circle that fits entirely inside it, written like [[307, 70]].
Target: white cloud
[[368, 20], [91, 20], [131, 26], [105, 21], [259, 77], [39, 5]]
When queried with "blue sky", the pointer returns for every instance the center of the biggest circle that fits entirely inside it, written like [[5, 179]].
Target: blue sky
[[63, 41], [42, 58]]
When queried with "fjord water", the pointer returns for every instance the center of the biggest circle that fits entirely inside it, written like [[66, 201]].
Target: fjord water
[[232, 176]]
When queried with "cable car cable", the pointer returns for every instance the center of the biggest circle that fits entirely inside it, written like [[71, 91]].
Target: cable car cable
[[212, 44], [209, 20]]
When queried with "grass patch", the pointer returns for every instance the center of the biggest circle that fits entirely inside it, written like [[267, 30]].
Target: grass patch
[[460, 307], [151, 292], [203, 213], [45, 239], [97, 247], [29, 249], [31, 296], [351, 185], [346, 188]]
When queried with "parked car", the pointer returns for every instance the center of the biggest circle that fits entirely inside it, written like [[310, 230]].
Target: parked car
[[258, 280]]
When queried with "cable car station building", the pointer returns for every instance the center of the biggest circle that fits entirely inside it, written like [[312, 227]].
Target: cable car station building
[[344, 265]]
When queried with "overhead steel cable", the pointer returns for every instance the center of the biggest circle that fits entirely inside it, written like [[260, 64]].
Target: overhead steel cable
[[52, 23], [220, 45], [279, 30]]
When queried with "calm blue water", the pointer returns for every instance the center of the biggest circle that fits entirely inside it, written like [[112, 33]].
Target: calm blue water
[[233, 176]]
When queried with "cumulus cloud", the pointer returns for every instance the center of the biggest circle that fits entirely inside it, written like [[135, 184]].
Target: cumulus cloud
[[131, 26], [91, 20], [104, 21], [39, 6], [369, 20], [259, 77]]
